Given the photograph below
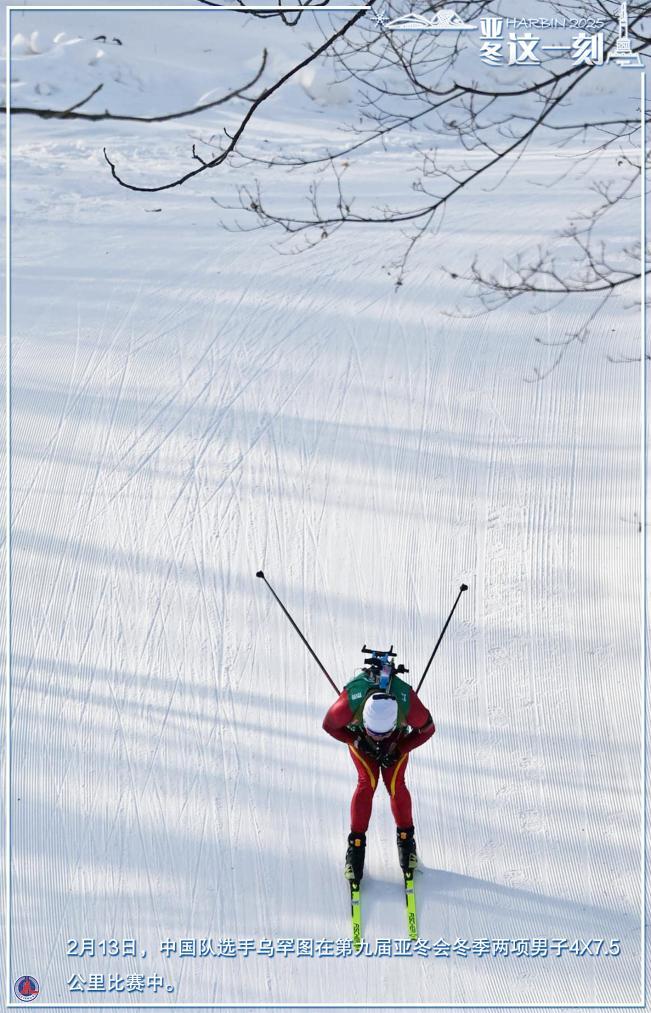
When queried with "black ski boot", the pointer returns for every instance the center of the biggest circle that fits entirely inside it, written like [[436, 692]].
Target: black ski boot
[[354, 867], [406, 849]]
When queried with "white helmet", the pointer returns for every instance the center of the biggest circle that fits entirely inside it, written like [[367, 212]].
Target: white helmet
[[380, 714]]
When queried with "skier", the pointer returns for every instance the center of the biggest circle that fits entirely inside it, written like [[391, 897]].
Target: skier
[[381, 719]]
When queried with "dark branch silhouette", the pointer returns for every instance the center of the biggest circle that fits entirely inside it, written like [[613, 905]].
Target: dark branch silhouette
[[290, 16], [255, 105], [72, 113], [420, 89], [445, 109]]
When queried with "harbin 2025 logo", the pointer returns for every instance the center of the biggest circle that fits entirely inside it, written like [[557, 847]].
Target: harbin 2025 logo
[[516, 40], [27, 988]]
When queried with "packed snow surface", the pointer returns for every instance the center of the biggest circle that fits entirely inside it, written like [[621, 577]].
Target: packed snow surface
[[190, 404]]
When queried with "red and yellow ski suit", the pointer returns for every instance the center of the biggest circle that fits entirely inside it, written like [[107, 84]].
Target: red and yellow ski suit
[[368, 769]]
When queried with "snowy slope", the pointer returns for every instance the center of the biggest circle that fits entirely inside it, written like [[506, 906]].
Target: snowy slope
[[188, 405]]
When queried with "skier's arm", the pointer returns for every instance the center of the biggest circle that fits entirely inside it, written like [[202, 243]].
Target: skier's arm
[[339, 715], [422, 726]]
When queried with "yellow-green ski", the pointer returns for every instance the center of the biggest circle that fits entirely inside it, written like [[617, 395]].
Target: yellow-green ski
[[410, 897], [356, 913]]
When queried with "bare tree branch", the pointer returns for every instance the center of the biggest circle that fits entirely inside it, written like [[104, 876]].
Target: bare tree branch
[[71, 114], [255, 105], [482, 120], [284, 15], [293, 224], [417, 88]]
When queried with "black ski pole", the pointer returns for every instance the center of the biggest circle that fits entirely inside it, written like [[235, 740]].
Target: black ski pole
[[319, 663], [464, 587]]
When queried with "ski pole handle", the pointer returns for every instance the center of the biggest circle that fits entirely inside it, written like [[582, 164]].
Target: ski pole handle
[[464, 587], [261, 575]]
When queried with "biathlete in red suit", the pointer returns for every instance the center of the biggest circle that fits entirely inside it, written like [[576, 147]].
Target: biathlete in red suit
[[380, 728]]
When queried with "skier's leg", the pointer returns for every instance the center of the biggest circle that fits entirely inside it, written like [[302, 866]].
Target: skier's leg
[[394, 781], [362, 800], [360, 814]]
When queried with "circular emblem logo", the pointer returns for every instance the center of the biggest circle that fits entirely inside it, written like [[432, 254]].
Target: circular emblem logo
[[27, 988]]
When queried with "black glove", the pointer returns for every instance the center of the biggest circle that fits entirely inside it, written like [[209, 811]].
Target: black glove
[[390, 756], [366, 747]]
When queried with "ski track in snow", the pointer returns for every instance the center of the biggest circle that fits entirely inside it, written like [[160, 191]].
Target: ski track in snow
[[189, 406], [274, 490]]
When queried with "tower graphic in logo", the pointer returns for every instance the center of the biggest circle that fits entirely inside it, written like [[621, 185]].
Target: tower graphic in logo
[[621, 53], [27, 988]]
